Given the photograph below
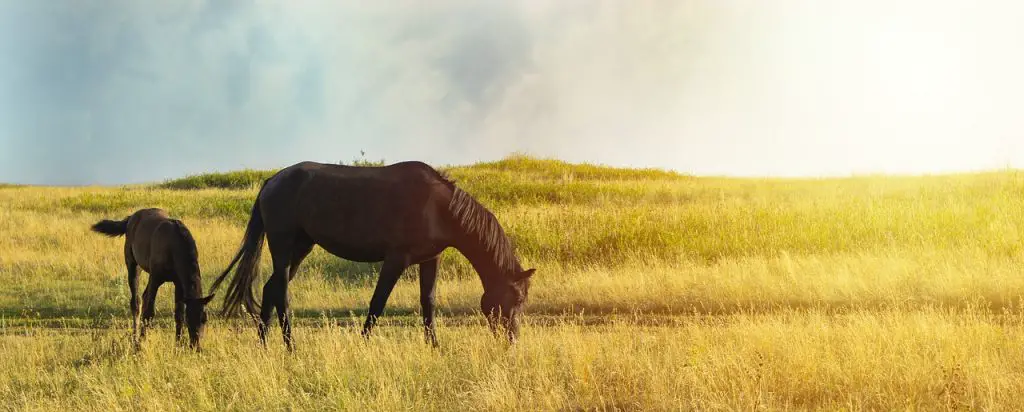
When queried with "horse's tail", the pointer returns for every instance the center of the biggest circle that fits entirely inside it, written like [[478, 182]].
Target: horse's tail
[[112, 228], [248, 258]]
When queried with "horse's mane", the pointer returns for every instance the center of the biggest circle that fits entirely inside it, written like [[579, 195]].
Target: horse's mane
[[445, 177], [476, 220]]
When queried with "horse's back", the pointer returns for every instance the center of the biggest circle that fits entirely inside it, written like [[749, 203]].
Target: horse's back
[[408, 171], [356, 212], [320, 182]]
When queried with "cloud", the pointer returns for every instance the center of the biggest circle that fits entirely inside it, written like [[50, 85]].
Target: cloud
[[114, 91], [109, 92]]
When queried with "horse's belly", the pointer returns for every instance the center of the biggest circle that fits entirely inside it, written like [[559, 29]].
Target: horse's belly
[[357, 254]]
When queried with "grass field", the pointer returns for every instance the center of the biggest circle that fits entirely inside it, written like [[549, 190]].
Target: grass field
[[654, 291]]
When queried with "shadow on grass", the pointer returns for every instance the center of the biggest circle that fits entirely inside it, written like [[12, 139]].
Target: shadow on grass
[[655, 314]]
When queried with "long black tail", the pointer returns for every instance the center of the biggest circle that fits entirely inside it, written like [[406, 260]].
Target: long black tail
[[112, 228], [240, 288]]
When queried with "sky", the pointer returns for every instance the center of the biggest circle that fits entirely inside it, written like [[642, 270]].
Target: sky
[[118, 91]]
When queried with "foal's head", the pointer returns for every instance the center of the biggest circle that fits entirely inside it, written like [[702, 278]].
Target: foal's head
[[195, 319]]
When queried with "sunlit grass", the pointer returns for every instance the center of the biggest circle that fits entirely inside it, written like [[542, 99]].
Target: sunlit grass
[[926, 359], [654, 291]]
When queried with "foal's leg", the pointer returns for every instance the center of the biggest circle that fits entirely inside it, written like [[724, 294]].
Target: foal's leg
[[428, 279], [134, 305], [148, 303], [392, 268], [179, 311]]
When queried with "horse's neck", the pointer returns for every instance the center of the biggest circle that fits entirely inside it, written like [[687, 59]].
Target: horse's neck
[[483, 261], [194, 284], [188, 275]]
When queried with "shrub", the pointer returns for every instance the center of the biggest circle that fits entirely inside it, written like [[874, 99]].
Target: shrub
[[242, 179]]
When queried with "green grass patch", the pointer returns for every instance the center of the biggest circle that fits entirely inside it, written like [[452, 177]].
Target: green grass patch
[[242, 179]]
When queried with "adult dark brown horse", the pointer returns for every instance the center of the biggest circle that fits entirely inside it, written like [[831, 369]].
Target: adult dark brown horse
[[165, 249], [403, 214]]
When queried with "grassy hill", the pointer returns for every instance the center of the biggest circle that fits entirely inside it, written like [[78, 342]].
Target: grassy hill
[[584, 214], [655, 290]]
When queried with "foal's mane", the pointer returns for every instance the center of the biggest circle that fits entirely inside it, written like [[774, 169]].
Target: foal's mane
[[476, 220], [188, 249]]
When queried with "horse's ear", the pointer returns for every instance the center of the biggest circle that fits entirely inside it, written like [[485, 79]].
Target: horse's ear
[[525, 274]]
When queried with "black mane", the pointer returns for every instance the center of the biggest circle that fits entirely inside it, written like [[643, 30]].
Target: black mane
[[189, 253], [475, 219]]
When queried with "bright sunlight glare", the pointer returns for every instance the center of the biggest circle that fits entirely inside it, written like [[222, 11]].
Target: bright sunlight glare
[[832, 88]]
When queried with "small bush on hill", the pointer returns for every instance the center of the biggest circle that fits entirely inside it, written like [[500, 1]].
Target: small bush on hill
[[242, 179]]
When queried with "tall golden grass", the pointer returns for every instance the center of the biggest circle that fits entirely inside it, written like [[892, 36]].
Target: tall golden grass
[[655, 291]]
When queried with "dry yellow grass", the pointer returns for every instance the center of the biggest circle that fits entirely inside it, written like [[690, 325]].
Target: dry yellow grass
[[876, 360], [654, 292]]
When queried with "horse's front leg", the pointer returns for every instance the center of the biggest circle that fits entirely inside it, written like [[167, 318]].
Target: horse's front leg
[[428, 281]]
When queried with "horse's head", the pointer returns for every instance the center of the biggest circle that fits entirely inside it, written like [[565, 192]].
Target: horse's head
[[503, 303], [195, 319]]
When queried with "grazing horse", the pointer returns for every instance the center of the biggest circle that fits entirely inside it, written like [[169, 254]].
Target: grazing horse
[[165, 249], [403, 214]]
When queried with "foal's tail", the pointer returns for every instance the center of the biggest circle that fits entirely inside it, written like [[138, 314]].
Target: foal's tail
[[112, 228], [240, 288]]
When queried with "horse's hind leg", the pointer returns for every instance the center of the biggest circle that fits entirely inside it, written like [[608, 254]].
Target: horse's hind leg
[[390, 271], [270, 291], [302, 246], [275, 291]]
